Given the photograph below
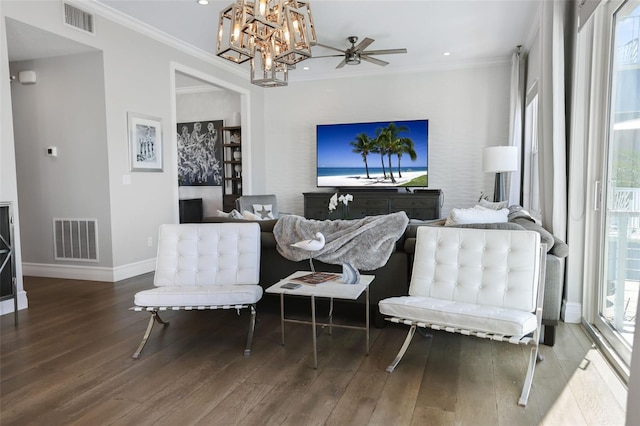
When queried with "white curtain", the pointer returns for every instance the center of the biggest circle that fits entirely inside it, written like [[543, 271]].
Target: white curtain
[[515, 122], [551, 125]]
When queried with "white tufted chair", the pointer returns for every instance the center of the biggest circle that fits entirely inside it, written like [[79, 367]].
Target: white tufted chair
[[485, 283], [204, 266]]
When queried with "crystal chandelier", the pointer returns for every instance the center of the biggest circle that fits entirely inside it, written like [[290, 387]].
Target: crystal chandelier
[[274, 35]]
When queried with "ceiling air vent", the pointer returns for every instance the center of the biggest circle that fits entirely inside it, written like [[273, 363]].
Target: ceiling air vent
[[78, 18]]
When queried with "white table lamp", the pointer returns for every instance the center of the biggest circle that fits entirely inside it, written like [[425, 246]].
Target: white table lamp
[[499, 160]]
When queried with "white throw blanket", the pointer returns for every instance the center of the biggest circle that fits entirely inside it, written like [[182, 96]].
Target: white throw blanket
[[364, 243]]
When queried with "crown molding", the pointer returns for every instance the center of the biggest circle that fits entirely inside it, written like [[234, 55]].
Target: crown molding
[[134, 24]]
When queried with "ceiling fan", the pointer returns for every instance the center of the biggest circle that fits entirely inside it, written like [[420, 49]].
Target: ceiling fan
[[354, 54]]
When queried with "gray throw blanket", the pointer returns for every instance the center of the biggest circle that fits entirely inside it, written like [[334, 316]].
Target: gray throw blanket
[[364, 243]]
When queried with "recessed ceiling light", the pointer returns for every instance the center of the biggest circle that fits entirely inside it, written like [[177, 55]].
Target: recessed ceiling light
[[305, 68], [447, 53], [203, 2]]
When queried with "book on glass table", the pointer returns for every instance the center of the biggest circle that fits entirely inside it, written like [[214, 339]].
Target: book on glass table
[[315, 278]]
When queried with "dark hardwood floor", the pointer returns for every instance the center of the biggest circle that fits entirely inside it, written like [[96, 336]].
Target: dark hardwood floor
[[69, 362]]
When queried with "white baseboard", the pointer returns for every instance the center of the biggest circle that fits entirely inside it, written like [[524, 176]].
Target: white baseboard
[[134, 269], [90, 273], [571, 312]]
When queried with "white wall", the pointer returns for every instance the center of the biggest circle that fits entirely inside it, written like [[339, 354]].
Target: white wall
[[211, 104], [64, 109], [467, 110]]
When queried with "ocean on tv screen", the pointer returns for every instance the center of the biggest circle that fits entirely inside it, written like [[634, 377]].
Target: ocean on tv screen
[[356, 176]]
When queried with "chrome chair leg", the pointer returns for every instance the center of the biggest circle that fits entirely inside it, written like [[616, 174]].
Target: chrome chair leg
[[252, 326], [154, 317], [526, 388], [403, 349]]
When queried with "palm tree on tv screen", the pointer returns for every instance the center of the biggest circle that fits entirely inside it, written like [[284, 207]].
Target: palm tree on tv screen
[[363, 145], [391, 147], [406, 147], [387, 142], [392, 143], [379, 147]]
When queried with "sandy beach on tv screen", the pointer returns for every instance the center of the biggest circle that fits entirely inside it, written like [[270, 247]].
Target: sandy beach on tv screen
[[375, 180]]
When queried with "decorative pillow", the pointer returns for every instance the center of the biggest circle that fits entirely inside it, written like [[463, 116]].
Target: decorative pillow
[[476, 215], [491, 205], [250, 216], [234, 214], [265, 211]]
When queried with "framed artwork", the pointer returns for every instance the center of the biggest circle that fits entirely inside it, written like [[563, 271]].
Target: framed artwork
[[145, 143], [200, 153]]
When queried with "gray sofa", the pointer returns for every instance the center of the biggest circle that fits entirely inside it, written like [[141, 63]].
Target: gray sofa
[[393, 278], [556, 250]]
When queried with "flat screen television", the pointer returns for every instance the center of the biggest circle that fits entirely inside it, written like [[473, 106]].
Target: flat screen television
[[372, 155]]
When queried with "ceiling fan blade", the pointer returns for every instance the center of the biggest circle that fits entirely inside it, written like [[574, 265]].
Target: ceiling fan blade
[[327, 56], [342, 64], [373, 60], [364, 44], [330, 47], [384, 51]]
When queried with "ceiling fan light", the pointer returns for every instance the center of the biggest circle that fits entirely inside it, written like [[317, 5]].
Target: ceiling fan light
[[352, 58]]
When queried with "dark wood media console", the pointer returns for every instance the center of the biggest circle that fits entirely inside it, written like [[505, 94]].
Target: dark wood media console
[[424, 205]]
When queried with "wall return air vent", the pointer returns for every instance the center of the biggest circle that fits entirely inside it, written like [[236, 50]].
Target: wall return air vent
[[76, 239], [78, 18]]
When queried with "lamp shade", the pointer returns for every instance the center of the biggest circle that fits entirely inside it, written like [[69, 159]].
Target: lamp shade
[[498, 159]]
